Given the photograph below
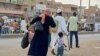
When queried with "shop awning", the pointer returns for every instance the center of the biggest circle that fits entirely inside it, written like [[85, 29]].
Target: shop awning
[[11, 12]]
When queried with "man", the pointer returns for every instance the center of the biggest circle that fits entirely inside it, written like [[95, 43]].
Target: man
[[60, 25], [73, 29], [23, 25], [15, 26]]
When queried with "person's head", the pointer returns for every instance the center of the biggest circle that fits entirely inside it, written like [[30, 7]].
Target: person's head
[[60, 34], [47, 12], [59, 12], [14, 20], [74, 14], [22, 18]]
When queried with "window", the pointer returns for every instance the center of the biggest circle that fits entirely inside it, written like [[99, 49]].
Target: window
[[25, 9], [73, 8], [8, 1], [32, 7], [14, 1], [26, 2]]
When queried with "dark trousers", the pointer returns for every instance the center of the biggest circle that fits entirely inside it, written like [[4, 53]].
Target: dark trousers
[[75, 33]]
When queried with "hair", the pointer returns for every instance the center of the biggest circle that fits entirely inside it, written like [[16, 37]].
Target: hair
[[15, 21], [48, 11], [27, 27], [60, 34], [22, 18], [74, 14]]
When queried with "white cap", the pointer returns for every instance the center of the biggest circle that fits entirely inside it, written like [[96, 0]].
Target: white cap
[[4, 17], [59, 10]]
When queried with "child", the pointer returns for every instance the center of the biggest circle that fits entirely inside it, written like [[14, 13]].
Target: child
[[60, 45]]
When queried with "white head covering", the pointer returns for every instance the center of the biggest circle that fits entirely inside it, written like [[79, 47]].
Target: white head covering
[[4, 17], [59, 10]]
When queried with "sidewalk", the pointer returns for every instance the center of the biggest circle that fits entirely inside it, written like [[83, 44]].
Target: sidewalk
[[21, 34]]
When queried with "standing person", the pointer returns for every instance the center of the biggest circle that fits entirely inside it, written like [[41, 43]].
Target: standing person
[[61, 25], [60, 44], [73, 29], [39, 43], [11, 28], [23, 25], [1, 24], [15, 26]]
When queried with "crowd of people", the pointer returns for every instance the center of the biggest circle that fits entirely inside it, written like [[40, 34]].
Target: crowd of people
[[12, 26], [41, 38]]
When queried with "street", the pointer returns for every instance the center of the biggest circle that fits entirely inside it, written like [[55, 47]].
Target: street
[[89, 46]]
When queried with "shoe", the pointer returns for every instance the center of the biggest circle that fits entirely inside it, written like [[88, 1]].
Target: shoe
[[71, 47], [53, 52], [77, 46]]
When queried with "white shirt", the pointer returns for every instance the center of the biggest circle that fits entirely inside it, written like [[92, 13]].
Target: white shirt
[[73, 26], [59, 42], [61, 26], [23, 25]]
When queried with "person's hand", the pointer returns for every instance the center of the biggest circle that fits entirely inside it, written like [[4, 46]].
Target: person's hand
[[42, 15], [53, 52], [43, 18], [67, 34], [65, 45]]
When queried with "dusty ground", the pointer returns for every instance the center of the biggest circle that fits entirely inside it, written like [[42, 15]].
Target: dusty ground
[[89, 48]]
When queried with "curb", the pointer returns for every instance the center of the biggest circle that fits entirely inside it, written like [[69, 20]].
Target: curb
[[22, 34]]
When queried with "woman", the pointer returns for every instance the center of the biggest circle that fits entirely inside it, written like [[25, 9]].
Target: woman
[[39, 43]]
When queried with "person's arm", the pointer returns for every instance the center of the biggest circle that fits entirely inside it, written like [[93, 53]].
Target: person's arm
[[35, 20], [65, 45], [64, 27], [52, 23], [77, 21]]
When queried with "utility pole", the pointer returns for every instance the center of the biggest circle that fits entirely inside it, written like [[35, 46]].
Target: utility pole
[[80, 16], [35, 2], [46, 2], [89, 3]]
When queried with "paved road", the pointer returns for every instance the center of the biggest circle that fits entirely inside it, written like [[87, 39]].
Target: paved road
[[11, 47]]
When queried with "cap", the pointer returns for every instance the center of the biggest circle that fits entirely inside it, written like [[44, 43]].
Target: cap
[[59, 10]]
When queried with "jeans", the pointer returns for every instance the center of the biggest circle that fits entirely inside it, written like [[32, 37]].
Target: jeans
[[60, 51], [49, 41], [5, 30], [76, 37]]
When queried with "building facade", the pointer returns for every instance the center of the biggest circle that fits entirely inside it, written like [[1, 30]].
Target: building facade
[[11, 8]]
